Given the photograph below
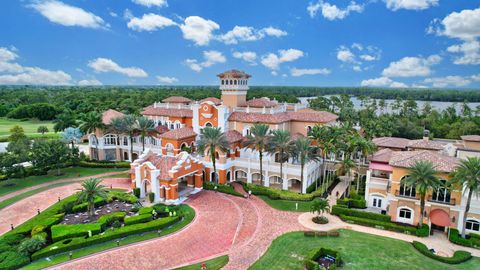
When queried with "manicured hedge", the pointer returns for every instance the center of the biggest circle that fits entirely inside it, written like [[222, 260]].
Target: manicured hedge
[[137, 219], [312, 257], [82, 207], [379, 224], [321, 233], [352, 203], [122, 196], [92, 164], [145, 210], [110, 234], [10, 258], [456, 238], [61, 232], [339, 210], [423, 231], [277, 194], [459, 256], [109, 219], [221, 188]]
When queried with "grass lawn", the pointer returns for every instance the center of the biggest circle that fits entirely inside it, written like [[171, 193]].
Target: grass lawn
[[30, 127], [287, 205], [53, 260], [358, 250], [12, 185], [213, 264]]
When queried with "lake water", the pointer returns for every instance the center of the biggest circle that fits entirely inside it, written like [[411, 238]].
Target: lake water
[[438, 105]]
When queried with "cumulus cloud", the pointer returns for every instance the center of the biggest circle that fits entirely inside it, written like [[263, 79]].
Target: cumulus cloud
[[297, 72], [166, 79], [410, 4], [273, 61], [151, 3], [103, 65], [89, 82], [447, 81], [247, 56], [332, 12], [198, 30], [345, 55], [149, 22], [470, 51], [382, 82], [411, 67], [61, 13], [247, 33], [357, 54], [210, 58], [14, 73]]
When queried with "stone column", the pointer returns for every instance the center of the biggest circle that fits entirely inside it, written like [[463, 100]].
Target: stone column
[[266, 177], [190, 180], [198, 181], [155, 186]]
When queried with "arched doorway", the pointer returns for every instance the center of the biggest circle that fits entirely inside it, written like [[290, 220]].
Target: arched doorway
[[440, 220], [256, 179], [295, 185], [241, 176], [229, 176], [134, 156], [275, 181]]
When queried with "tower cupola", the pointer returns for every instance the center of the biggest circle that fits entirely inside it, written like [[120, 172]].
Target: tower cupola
[[234, 86]]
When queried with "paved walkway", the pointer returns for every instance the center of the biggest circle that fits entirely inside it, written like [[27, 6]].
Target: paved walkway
[[25, 209], [15, 193], [341, 188]]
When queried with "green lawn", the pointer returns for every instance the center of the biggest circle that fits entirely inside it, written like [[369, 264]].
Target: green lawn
[[213, 264], [17, 184], [358, 250], [287, 205], [53, 260], [30, 127]]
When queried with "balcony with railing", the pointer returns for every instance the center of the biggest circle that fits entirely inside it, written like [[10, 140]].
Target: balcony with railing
[[434, 198], [406, 194]]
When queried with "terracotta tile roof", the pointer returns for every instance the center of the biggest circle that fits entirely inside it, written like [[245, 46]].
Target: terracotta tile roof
[[382, 156], [177, 99], [234, 73], [471, 138], [391, 142], [407, 159], [110, 114], [233, 136], [215, 100], [261, 102], [161, 129], [317, 117], [179, 133], [162, 163], [150, 110], [425, 144]]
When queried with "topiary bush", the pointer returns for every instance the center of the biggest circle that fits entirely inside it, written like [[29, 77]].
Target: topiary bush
[[61, 232], [320, 220], [92, 164], [423, 231], [29, 246], [277, 194], [459, 256], [136, 192], [151, 197], [107, 220]]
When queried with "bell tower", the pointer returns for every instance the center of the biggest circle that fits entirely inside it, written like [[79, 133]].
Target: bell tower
[[234, 86]]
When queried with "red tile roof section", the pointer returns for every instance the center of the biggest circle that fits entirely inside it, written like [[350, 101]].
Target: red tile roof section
[[177, 99], [110, 114], [163, 163], [233, 136], [215, 100], [382, 156], [317, 117], [234, 73], [150, 110], [391, 142], [407, 159], [179, 133], [261, 102], [425, 145]]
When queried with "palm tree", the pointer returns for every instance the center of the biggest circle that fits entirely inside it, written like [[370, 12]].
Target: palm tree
[[211, 140], [145, 126], [363, 146], [90, 124], [320, 206], [323, 138], [258, 140], [347, 164], [467, 175], [126, 125], [281, 143], [305, 152], [91, 189], [422, 177]]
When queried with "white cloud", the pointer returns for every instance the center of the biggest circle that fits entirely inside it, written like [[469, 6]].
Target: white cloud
[[332, 12], [356, 54], [14, 73], [166, 79], [61, 13], [470, 51], [410, 4], [411, 67], [102, 65], [149, 22], [89, 82], [273, 61], [345, 55], [247, 56], [368, 57], [209, 59], [127, 14], [151, 3], [199, 30], [113, 14], [297, 72], [357, 68], [382, 82], [247, 33], [457, 81]]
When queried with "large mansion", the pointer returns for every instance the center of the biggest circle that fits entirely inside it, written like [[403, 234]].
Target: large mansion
[[168, 170]]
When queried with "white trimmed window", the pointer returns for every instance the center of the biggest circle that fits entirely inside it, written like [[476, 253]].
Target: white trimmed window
[[472, 225], [405, 215]]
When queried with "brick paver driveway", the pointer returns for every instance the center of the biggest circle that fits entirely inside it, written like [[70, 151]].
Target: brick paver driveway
[[224, 224]]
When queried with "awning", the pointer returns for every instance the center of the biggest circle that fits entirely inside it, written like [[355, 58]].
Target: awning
[[380, 167], [440, 218]]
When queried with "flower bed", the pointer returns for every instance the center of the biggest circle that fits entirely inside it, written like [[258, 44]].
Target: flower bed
[[458, 257]]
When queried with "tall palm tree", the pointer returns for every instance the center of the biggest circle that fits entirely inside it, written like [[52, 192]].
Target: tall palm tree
[[320, 206], [363, 146], [211, 140], [145, 126], [305, 152], [422, 177], [90, 124], [347, 164], [127, 125], [257, 140], [322, 136], [91, 189], [467, 175], [280, 142]]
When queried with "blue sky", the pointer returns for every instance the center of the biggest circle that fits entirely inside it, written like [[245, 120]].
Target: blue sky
[[389, 43]]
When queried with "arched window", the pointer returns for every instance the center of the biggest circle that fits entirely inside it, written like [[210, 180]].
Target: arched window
[[125, 141], [442, 194], [223, 82], [405, 213], [208, 124], [407, 191], [177, 124], [246, 131], [235, 82], [93, 140], [110, 139], [231, 82], [472, 225], [309, 129], [169, 149]]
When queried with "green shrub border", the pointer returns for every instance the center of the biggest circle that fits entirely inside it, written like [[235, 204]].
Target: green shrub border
[[339, 210], [456, 238], [93, 164], [313, 255], [228, 189], [459, 256]]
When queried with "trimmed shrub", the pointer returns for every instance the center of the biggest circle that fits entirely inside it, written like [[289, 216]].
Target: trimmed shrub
[[379, 224], [221, 188], [312, 257], [110, 234], [29, 246], [37, 229], [145, 210], [456, 238], [459, 256], [10, 260], [92, 164], [61, 232], [136, 192], [122, 196], [151, 197], [320, 220], [309, 233], [277, 194], [338, 210], [423, 231], [137, 219], [82, 207], [108, 220]]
